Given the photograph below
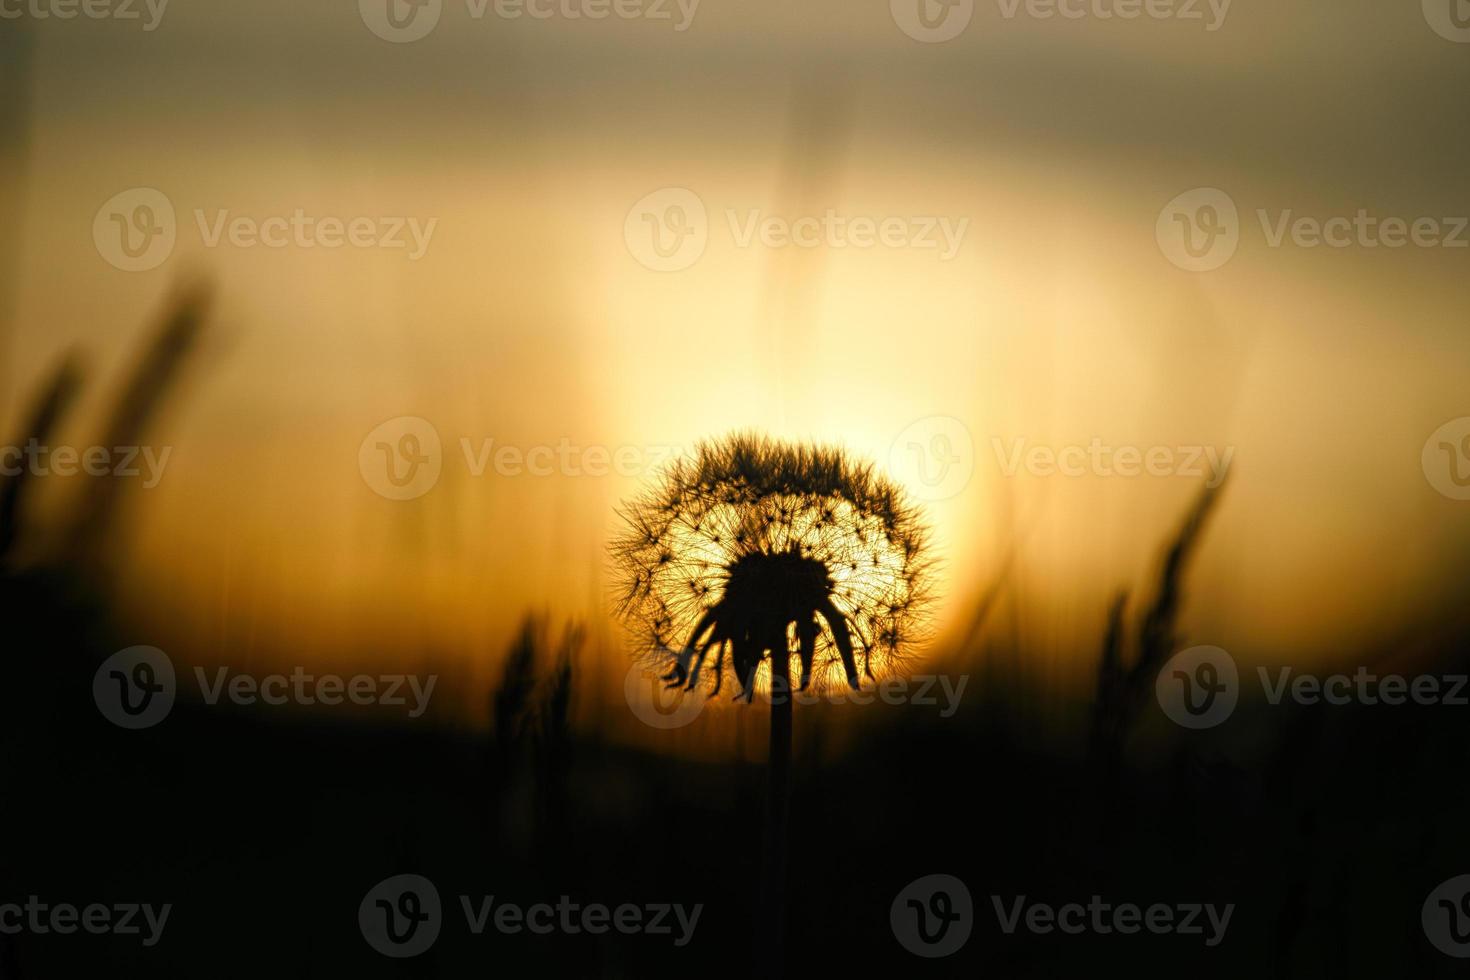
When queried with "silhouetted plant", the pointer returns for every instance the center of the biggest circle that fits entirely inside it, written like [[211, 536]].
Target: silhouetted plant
[[137, 405], [531, 722], [1123, 688], [763, 551], [52, 403], [46, 581], [511, 705], [755, 548]]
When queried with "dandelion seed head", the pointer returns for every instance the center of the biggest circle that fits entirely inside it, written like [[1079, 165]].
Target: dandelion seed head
[[753, 548]]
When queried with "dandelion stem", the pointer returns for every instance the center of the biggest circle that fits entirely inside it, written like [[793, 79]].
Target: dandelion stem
[[778, 796]]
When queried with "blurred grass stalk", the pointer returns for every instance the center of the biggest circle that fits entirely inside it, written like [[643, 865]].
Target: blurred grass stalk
[[15, 113]]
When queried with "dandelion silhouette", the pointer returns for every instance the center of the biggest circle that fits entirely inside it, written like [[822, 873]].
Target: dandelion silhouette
[[757, 551]]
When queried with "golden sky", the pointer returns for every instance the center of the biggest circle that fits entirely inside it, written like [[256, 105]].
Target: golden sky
[[1047, 147]]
